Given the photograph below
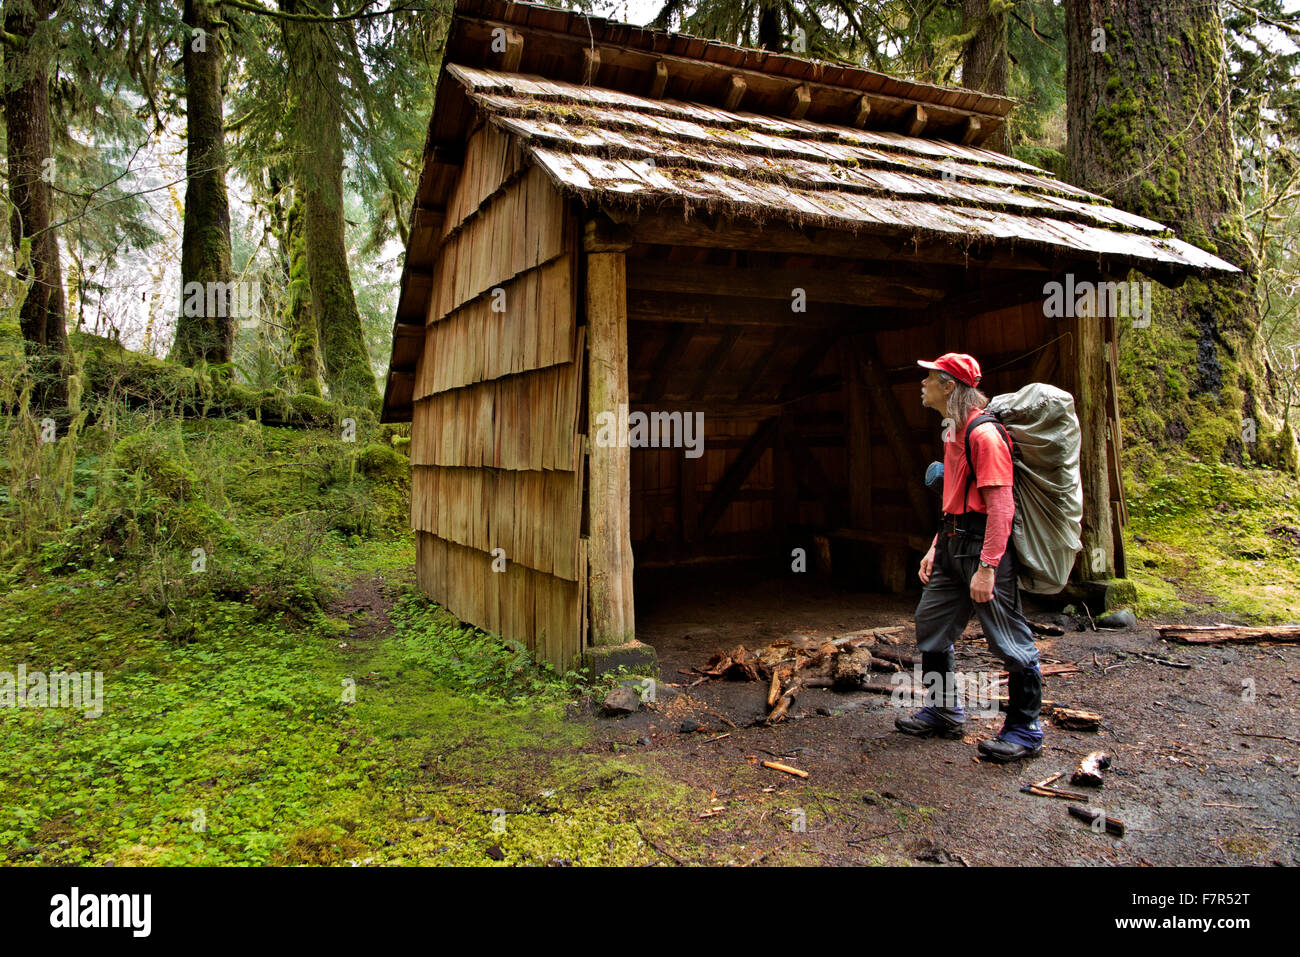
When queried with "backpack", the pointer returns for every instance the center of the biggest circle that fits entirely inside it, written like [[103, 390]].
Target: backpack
[[1047, 488]]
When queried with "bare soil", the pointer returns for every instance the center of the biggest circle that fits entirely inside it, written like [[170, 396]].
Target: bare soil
[[1206, 759]]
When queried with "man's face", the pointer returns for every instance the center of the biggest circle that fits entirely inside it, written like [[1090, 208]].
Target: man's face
[[934, 392]]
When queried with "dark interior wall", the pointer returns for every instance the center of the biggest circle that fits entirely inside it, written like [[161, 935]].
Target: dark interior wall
[[743, 377]]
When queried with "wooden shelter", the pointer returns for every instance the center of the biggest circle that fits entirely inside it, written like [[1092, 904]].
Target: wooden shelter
[[612, 219]]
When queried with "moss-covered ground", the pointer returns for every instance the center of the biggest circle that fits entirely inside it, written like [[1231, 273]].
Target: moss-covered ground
[[1214, 540], [257, 710]]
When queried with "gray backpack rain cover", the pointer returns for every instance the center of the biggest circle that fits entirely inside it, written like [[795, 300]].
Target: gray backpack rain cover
[[1048, 491]]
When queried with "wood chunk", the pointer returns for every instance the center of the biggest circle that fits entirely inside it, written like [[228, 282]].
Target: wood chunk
[[1075, 719], [1114, 826], [851, 669], [783, 706], [1089, 770]]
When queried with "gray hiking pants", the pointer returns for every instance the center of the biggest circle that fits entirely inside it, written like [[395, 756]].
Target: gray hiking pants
[[946, 604]]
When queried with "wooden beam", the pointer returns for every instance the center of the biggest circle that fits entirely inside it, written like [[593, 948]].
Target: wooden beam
[[669, 358], [891, 418], [800, 100], [717, 358], [630, 62], [818, 285], [717, 232], [602, 235], [660, 81], [764, 363], [812, 357], [971, 131], [648, 306], [609, 553], [735, 91], [736, 473]]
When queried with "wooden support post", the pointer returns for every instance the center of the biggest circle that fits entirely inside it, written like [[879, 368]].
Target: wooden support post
[[861, 112], [970, 130], [1083, 371], [800, 100], [609, 466], [590, 66], [660, 81], [513, 52], [916, 120]]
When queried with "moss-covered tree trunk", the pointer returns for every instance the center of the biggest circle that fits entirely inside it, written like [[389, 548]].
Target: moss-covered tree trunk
[[317, 123], [1149, 127], [304, 347], [32, 168], [984, 59], [205, 325]]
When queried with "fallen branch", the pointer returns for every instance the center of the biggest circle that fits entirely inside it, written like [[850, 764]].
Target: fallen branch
[[778, 766], [1229, 634]]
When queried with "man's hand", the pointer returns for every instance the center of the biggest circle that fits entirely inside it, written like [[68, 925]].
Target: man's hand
[[981, 585], [927, 566]]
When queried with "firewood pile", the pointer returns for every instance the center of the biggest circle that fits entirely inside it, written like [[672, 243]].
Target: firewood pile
[[791, 664]]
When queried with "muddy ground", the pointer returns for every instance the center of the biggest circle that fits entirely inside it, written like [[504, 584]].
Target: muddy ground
[[1206, 759]]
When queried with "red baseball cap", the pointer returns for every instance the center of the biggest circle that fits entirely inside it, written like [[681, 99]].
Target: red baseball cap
[[958, 365]]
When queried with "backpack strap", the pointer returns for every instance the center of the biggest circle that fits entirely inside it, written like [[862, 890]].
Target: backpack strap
[[970, 468]]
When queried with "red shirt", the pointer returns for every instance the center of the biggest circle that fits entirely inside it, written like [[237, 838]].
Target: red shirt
[[990, 456]]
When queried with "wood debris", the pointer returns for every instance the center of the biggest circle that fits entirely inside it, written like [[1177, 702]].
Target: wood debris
[[1075, 719], [1229, 634], [1114, 826], [1089, 770], [778, 766], [1043, 788], [803, 661]]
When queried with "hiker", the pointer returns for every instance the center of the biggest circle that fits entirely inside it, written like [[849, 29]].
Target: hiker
[[972, 562]]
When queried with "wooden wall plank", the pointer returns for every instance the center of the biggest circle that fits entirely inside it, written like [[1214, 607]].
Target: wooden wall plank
[[537, 610]]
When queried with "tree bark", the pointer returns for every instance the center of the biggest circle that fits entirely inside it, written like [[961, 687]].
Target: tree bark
[[984, 61], [1150, 128], [304, 342], [208, 336], [317, 124], [31, 167]]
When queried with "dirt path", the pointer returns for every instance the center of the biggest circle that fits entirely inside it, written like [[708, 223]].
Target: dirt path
[[1193, 779]]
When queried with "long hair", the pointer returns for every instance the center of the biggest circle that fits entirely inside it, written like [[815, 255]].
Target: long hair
[[962, 400]]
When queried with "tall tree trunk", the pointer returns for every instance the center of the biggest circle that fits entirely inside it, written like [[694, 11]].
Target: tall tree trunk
[[1149, 127], [31, 168], [205, 326], [317, 123], [304, 343], [984, 59]]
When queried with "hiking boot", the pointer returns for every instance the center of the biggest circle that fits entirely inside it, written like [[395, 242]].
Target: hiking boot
[[931, 722], [1021, 735], [942, 715]]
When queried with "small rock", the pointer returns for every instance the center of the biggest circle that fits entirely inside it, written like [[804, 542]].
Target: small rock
[[643, 741], [824, 711], [622, 700], [689, 725], [496, 853], [1118, 619]]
